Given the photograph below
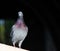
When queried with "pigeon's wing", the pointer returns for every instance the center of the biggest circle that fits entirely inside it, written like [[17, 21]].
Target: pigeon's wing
[[12, 30], [11, 33]]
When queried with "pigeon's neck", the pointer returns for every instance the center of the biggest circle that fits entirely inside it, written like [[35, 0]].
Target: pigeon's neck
[[20, 23], [21, 20], [21, 17]]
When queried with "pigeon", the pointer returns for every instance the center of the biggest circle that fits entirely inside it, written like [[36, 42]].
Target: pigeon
[[19, 31]]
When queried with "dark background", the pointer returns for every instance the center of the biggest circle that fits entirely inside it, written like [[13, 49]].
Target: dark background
[[42, 18]]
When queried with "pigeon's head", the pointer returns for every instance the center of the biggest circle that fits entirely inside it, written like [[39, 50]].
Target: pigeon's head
[[20, 14]]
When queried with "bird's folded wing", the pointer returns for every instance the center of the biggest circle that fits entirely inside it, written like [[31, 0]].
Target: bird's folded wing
[[11, 33], [12, 29]]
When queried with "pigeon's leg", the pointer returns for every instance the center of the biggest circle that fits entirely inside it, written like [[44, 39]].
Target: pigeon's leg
[[20, 43], [14, 43]]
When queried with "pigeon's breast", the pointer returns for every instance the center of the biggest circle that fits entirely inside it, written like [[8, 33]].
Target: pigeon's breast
[[19, 34]]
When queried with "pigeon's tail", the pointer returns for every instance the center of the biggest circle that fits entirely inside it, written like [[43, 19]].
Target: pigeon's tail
[[20, 14]]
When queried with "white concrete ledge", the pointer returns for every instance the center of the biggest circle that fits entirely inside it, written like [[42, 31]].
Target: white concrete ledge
[[4, 47]]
